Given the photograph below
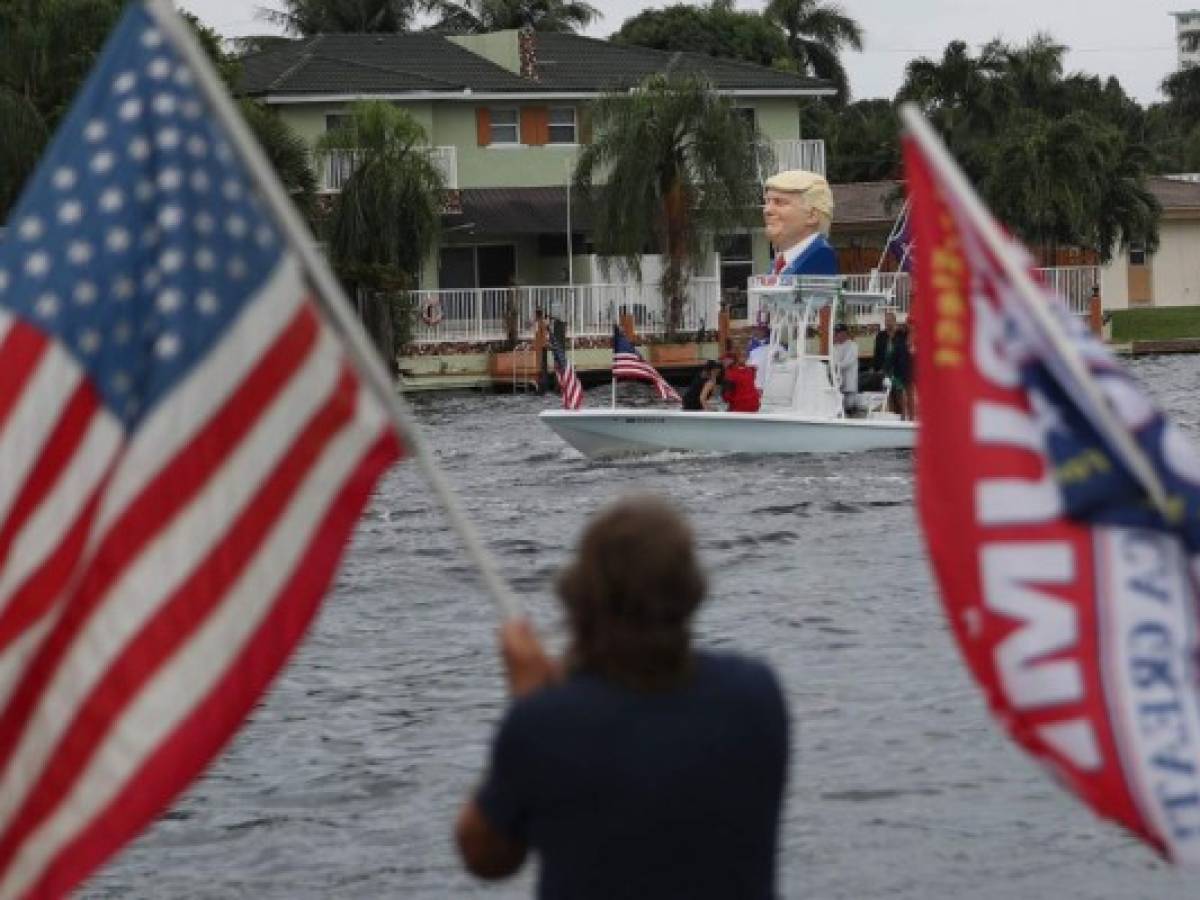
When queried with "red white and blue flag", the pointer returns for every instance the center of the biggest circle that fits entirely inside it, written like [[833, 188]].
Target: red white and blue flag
[[628, 363], [185, 449], [568, 380], [1073, 597]]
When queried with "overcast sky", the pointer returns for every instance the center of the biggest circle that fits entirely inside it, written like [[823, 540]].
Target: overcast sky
[[1131, 40]]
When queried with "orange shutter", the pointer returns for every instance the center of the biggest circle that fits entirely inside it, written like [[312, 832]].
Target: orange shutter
[[535, 125], [483, 125]]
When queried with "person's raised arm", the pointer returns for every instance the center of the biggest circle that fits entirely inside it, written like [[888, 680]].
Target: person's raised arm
[[485, 850]]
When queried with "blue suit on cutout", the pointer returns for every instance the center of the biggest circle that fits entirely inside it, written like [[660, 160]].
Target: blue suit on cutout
[[818, 258]]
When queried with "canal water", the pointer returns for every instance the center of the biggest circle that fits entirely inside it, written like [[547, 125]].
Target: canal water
[[346, 781]]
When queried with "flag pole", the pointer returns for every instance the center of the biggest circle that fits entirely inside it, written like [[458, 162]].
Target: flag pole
[[1033, 296], [330, 296]]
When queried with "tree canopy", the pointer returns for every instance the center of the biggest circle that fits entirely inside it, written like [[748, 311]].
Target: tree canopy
[[817, 33], [480, 16], [1060, 158], [716, 30], [309, 17]]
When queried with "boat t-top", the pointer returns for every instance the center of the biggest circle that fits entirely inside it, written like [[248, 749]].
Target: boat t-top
[[801, 406]]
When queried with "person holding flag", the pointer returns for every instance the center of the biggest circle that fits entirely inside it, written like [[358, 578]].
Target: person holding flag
[[797, 213], [628, 363], [640, 765]]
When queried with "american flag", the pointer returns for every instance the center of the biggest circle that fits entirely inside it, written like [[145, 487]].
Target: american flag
[[568, 381], [184, 449], [628, 363]]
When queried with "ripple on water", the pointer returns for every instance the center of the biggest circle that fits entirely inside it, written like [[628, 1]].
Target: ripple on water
[[346, 782]]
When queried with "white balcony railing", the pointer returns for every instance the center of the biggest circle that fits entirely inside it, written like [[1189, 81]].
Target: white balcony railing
[[339, 165], [806, 154], [1073, 283], [590, 310]]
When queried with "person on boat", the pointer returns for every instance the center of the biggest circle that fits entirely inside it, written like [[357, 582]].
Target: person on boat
[[738, 388], [902, 397], [757, 353], [797, 213], [639, 765], [879, 356], [700, 393], [843, 357]]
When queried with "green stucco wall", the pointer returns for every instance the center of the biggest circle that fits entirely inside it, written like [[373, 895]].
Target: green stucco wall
[[453, 123], [499, 47]]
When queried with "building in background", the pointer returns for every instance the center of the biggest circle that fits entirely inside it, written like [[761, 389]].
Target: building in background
[[1187, 37]]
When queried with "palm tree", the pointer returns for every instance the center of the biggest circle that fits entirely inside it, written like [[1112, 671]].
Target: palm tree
[[24, 137], [678, 164], [1128, 211], [816, 34], [963, 95], [480, 16], [286, 150], [388, 216], [308, 17], [49, 47]]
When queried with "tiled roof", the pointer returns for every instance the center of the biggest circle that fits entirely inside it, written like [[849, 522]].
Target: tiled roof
[[1173, 193], [864, 202], [373, 63], [423, 61], [879, 201], [572, 62]]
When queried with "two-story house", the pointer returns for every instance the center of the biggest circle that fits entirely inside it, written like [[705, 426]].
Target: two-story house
[[506, 114]]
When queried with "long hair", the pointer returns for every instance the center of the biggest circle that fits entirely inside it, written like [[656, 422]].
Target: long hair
[[630, 595]]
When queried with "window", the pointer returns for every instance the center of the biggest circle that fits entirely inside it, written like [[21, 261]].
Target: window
[[505, 127], [737, 265], [747, 115], [333, 121], [1137, 254], [562, 125]]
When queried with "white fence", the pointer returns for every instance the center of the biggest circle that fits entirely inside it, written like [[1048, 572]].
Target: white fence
[[805, 154], [1074, 284], [590, 310], [339, 165]]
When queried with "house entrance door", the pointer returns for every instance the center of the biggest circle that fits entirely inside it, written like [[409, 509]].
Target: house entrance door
[[497, 265]]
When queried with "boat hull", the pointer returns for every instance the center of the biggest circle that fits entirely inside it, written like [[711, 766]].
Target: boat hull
[[629, 432]]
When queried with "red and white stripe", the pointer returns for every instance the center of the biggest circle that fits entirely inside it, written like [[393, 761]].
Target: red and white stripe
[[198, 551], [569, 386], [630, 365]]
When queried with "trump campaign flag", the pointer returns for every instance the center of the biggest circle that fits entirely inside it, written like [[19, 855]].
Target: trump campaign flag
[[1065, 536], [628, 363], [185, 446]]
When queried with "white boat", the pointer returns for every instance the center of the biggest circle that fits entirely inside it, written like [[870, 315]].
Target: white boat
[[801, 403]]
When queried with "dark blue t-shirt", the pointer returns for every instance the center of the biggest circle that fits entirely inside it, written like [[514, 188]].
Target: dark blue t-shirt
[[627, 795]]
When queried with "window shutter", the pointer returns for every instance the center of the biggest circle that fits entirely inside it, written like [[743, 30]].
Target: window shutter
[[535, 125], [483, 126]]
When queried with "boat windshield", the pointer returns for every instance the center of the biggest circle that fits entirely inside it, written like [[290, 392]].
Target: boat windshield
[[798, 377]]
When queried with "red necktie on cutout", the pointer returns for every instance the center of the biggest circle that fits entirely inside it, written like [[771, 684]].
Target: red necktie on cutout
[[780, 264]]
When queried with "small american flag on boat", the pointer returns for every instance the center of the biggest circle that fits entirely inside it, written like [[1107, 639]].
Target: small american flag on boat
[[568, 380], [628, 363]]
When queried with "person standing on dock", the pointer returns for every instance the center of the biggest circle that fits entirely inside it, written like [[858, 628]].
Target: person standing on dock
[[639, 766], [797, 213]]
